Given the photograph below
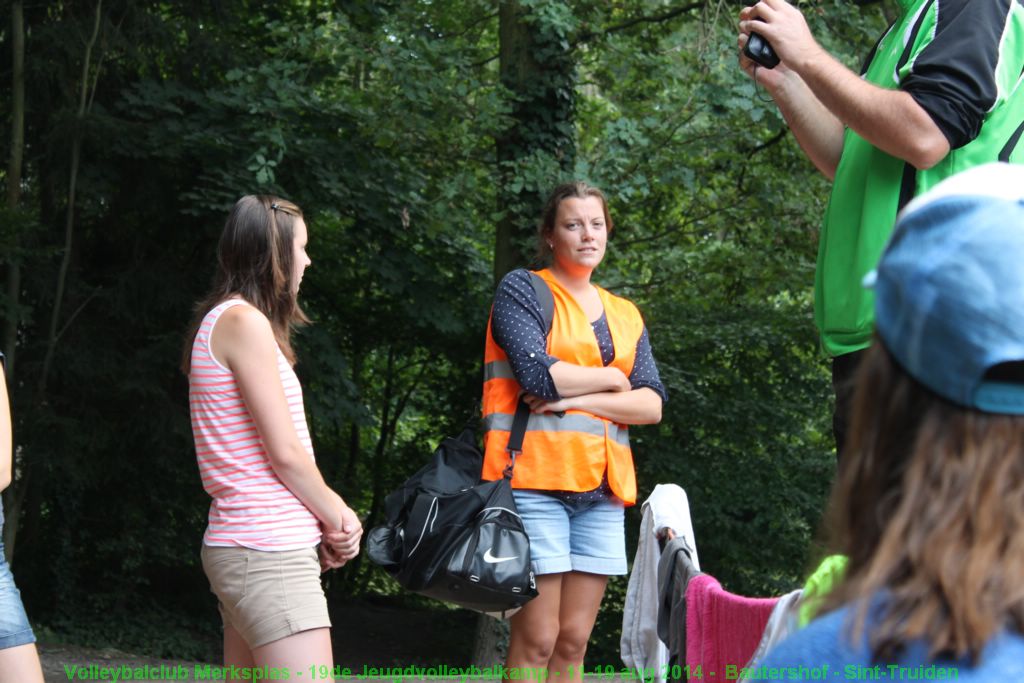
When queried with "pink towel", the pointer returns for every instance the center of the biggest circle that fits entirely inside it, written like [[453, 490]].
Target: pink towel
[[721, 628]]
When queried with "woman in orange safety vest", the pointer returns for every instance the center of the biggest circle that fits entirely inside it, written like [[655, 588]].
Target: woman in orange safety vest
[[585, 381]]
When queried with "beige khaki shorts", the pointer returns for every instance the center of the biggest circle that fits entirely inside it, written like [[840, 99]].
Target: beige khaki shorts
[[265, 595]]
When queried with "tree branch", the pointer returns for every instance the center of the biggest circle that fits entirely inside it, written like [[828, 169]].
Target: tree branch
[[678, 227], [653, 19], [69, 224], [773, 140]]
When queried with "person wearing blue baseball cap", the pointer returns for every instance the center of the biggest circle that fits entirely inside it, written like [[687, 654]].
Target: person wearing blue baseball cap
[[929, 502]]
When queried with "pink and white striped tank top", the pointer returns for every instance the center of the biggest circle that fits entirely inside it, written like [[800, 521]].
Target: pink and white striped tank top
[[251, 506]]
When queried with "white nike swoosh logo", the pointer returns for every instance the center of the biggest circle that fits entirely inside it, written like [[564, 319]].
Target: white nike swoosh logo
[[491, 559]]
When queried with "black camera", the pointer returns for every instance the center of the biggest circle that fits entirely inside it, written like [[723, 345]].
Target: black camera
[[760, 50]]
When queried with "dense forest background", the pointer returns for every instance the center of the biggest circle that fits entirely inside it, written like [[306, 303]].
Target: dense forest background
[[420, 138]]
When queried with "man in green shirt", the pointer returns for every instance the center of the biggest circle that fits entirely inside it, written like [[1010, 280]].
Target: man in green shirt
[[941, 92]]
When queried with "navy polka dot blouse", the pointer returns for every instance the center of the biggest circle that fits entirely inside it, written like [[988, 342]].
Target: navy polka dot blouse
[[517, 324]]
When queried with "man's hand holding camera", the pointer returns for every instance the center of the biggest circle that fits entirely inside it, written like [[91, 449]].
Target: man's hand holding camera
[[780, 32]]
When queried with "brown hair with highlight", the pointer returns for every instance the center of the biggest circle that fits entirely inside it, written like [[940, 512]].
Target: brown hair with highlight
[[255, 261], [929, 507]]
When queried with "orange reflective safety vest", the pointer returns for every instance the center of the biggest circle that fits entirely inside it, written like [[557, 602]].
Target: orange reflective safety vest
[[573, 452]]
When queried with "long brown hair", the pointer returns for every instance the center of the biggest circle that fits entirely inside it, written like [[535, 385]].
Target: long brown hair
[[929, 507], [255, 261]]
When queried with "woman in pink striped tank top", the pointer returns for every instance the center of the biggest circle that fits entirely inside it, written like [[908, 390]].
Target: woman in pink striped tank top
[[271, 508]]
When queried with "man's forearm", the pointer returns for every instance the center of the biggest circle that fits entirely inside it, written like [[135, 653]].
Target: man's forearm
[[816, 129], [891, 120]]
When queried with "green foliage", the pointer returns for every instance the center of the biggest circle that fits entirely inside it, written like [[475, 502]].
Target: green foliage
[[393, 126], [156, 630]]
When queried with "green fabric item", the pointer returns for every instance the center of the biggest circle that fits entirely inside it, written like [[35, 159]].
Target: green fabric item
[[969, 54], [826, 577]]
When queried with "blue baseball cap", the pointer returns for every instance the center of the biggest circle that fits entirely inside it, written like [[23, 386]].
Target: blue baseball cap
[[949, 287]]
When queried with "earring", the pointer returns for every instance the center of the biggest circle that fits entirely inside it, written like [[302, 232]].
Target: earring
[[551, 246]]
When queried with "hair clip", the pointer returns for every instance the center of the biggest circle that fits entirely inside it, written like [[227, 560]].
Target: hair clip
[[274, 206]]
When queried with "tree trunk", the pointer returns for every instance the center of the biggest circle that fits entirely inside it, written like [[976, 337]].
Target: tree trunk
[[354, 437], [18, 505], [379, 452], [490, 641], [14, 166], [84, 104], [536, 64]]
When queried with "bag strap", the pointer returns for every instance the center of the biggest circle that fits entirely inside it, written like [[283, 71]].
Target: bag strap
[[547, 307], [515, 437], [546, 299], [522, 416]]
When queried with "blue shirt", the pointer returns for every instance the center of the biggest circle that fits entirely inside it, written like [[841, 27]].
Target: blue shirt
[[823, 651]]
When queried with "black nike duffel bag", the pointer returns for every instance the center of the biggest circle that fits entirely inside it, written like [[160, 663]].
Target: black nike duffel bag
[[449, 536]]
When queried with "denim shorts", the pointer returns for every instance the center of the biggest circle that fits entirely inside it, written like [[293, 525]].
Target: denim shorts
[[14, 627], [583, 537]]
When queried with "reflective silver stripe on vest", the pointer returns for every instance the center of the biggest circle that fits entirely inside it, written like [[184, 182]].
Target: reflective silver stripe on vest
[[498, 369], [569, 423], [619, 434]]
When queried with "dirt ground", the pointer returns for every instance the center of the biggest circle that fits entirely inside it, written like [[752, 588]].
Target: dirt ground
[[372, 636], [63, 663]]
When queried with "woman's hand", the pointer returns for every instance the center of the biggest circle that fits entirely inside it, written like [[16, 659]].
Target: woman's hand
[[343, 544], [539, 405], [328, 559]]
